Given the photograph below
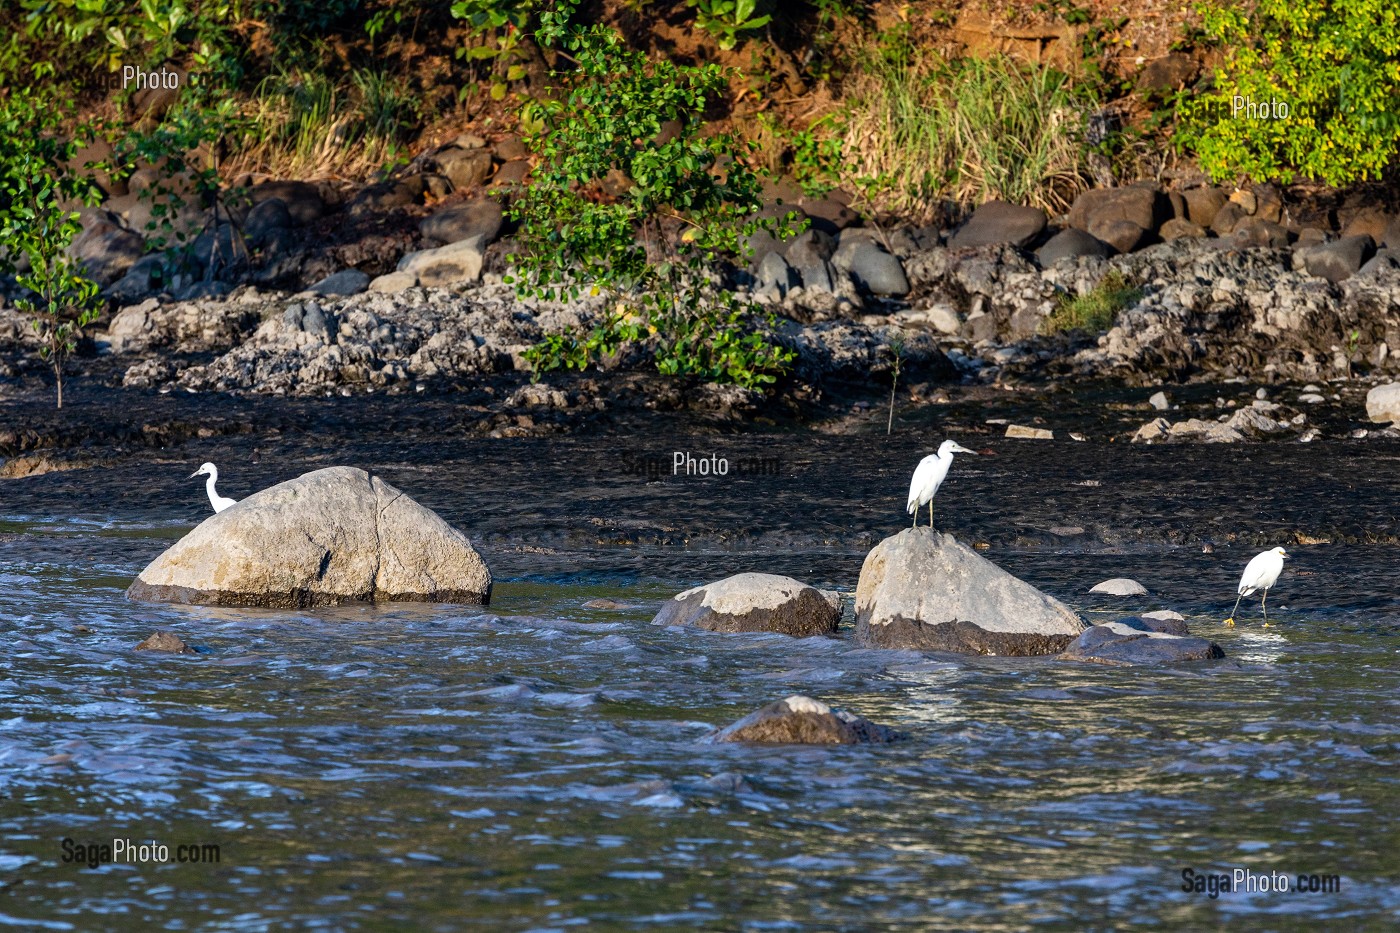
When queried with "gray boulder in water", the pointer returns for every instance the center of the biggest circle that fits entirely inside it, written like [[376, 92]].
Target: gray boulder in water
[[924, 590], [332, 536], [801, 720], [755, 602], [1137, 640]]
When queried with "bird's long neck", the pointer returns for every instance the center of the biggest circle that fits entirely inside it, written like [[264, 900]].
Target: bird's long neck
[[209, 484]]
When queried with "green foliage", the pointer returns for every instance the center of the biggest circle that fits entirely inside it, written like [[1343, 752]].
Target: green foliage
[[106, 33], [724, 20], [1335, 63], [1095, 310], [499, 27], [920, 130], [38, 224], [606, 120]]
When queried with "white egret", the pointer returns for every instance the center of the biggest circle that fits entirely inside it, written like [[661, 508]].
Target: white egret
[[929, 475], [217, 501], [1261, 573]]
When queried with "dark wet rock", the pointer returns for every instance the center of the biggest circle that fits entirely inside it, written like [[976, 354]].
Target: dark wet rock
[[871, 268], [144, 277], [1176, 228], [1202, 204], [445, 265], [1383, 403], [1070, 243], [385, 196], [106, 249], [999, 222], [511, 173], [775, 278], [1140, 641], [1169, 73], [165, 641], [302, 199], [604, 603], [828, 215], [1257, 232], [1120, 586], [1111, 214], [465, 168], [510, 149], [924, 590], [1227, 218], [264, 219], [1123, 235], [755, 602], [479, 217], [1337, 260], [1371, 220], [332, 536], [344, 282], [801, 720], [1165, 620]]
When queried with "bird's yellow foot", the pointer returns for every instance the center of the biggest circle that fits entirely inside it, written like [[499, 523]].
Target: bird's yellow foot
[[1266, 625], [1230, 621]]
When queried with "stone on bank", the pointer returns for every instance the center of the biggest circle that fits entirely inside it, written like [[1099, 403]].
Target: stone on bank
[[755, 602], [337, 535], [924, 590]]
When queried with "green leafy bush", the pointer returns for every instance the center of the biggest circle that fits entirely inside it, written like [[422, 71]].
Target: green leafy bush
[[1335, 64], [726, 19], [38, 224], [607, 121], [1095, 310]]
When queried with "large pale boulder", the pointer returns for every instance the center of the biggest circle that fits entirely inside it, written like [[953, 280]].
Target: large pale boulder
[[755, 602], [801, 720], [332, 536], [1383, 403], [921, 589]]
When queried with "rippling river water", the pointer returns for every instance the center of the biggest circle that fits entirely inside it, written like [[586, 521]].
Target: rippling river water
[[535, 764]]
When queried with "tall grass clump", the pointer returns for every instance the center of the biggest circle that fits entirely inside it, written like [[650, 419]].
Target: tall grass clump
[[920, 130], [304, 123]]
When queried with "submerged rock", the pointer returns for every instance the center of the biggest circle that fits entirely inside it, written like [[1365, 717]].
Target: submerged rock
[[801, 720], [1141, 641], [1120, 586], [924, 590], [165, 641], [331, 536], [755, 602]]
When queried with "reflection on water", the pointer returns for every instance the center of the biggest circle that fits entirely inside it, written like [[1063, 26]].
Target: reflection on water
[[534, 765]]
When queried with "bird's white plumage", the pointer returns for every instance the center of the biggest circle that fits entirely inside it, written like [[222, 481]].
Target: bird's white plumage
[[1262, 572], [930, 474], [217, 501]]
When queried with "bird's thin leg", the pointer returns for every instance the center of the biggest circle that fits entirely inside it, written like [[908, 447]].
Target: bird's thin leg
[[1264, 605], [1231, 620], [916, 516], [930, 513]]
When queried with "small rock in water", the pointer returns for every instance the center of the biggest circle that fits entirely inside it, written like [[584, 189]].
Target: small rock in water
[[1140, 641], [165, 641], [604, 603], [801, 720], [1165, 615], [1120, 586], [1159, 401], [1027, 433], [755, 602]]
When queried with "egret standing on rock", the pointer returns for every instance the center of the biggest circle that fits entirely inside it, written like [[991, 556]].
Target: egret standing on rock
[[929, 475], [1261, 573], [217, 501]]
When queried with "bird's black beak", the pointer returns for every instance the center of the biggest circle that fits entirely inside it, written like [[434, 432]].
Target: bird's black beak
[[194, 474]]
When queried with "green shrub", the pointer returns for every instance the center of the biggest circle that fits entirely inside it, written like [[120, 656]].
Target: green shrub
[[1334, 63], [38, 224], [920, 130], [1095, 310], [606, 119]]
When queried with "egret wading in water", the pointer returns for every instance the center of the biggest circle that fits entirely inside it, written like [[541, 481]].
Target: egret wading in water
[[217, 501], [929, 475], [1261, 573]]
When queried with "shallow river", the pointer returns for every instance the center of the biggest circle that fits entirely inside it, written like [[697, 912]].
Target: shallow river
[[535, 764]]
